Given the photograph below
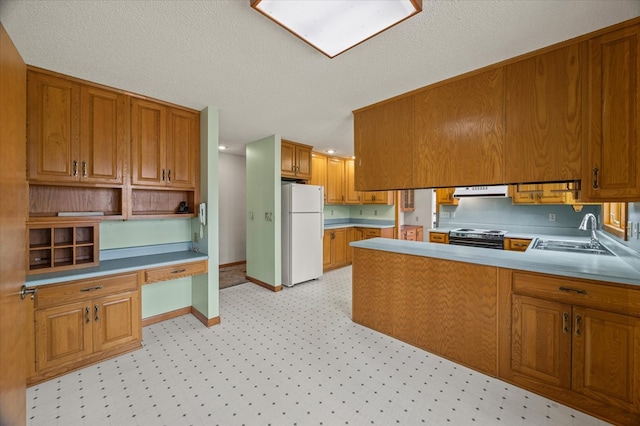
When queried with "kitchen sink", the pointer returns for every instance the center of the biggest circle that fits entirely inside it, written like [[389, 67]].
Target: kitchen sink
[[572, 247]]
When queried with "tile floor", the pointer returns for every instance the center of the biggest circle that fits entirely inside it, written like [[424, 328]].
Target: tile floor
[[288, 358]]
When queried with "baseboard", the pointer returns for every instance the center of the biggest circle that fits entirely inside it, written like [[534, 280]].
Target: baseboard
[[166, 316], [263, 284], [178, 313], [209, 322], [227, 265]]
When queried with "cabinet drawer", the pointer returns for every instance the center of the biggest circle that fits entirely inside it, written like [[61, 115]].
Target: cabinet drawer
[[578, 292], [172, 272], [516, 244], [438, 237], [57, 294], [372, 233]]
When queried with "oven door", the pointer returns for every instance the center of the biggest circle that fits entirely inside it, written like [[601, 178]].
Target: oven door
[[477, 242]]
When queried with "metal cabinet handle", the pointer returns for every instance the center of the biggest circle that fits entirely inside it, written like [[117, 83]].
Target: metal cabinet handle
[[565, 322], [578, 325], [595, 177], [177, 271], [87, 312], [96, 309], [84, 169], [163, 175], [75, 168], [24, 291], [98, 287], [169, 176]]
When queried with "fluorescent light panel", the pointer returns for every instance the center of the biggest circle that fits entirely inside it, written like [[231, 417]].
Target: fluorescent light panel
[[333, 26]]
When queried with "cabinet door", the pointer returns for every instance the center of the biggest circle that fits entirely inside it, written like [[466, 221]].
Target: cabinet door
[[148, 143], [335, 181], [53, 128], [339, 247], [543, 117], [319, 171], [349, 239], [612, 150], [351, 195], [419, 234], [460, 132], [102, 140], [445, 196], [116, 320], [383, 145], [183, 147], [606, 357], [287, 159], [63, 334], [541, 340], [303, 162], [326, 249]]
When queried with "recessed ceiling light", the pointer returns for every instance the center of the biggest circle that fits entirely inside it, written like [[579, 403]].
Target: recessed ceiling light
[[333, 26], [331, 151], [222, 147]]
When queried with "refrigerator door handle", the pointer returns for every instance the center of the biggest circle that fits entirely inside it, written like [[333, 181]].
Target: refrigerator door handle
[[321, 226]]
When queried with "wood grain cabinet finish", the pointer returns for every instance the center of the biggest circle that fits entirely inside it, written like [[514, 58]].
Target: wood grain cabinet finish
[[445, 307], [82, 322], [383, 145], [164, 146], [612, 149], [334, 191], [351, 195], [544, 193], [334, 248], [516, 244], [543, 116], [319, 171], [575, 341], [439, 237], [296, 160], [459, 136], [76, 132], [164, 273]]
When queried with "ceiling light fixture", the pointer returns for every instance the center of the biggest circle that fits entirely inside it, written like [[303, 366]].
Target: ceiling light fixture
[[331, 151], [222, 147], [333, 26]]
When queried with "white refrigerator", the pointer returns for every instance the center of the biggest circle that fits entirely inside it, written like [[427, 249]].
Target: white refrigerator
[[302, 232]]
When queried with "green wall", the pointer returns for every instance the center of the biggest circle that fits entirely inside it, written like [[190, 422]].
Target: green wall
[[264, 260], [205, 289]]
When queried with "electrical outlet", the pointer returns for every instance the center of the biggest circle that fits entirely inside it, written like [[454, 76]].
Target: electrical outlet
[[360, 212], [444, 214], [417, 219], [552, 217], [196, 237], [453, 215], [375, 212], [250, 215], [331, 212]]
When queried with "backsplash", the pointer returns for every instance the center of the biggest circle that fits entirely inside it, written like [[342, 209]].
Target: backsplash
[[368, 211], [502, 213], [633, 216]]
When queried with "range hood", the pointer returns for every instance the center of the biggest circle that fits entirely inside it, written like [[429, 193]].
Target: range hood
[[482, 191]]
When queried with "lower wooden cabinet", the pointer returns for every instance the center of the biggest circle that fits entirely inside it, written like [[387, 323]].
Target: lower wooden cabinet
[[410, 233], [81, 322], [577, 342], [439, 237], [334, 248]]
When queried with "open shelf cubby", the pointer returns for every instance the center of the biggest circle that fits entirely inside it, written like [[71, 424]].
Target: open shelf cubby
[[59, 245]]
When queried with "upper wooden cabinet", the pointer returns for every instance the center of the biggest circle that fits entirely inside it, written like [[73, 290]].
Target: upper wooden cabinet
[[296, 160], [351, 196], [383, 146], [544, 193], [612, 149], [318, 170], [165, 145], [334, 191], [76, 132], [378, 197], [543, 117], [459, 136]]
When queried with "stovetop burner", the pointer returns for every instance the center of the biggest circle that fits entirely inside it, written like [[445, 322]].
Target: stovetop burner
[[487, 234]]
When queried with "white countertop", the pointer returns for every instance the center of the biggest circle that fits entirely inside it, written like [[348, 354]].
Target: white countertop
[[624, 268]]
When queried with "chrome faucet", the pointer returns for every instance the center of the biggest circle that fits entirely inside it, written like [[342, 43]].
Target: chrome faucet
[[594, 226]]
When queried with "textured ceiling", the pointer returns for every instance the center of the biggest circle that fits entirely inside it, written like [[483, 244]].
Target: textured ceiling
[[224, 55]]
